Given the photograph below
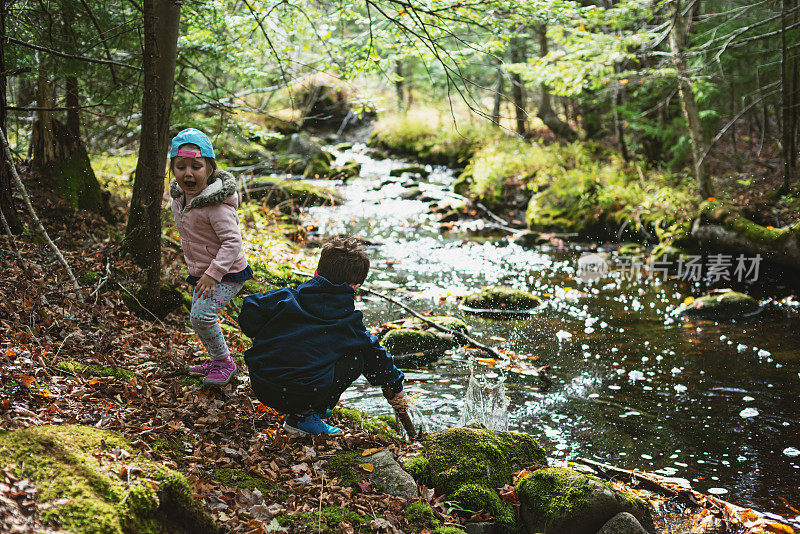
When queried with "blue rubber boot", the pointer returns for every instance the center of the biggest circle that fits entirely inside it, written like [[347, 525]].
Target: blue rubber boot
[[305, 425]]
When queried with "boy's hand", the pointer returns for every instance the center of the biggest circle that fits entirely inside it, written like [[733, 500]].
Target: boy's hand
[[398, 402], [205, 287]]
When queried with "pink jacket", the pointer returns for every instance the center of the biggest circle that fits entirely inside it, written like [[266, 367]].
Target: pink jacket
[[209, 227]]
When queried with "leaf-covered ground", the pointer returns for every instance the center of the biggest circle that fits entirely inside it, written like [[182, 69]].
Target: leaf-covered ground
[[64, 362]]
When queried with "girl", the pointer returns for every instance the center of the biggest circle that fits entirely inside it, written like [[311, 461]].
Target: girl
[[204, 205]]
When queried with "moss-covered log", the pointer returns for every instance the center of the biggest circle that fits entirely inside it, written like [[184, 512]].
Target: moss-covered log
[[725, 228]]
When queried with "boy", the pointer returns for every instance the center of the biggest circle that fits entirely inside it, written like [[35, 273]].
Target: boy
[[310, 344]]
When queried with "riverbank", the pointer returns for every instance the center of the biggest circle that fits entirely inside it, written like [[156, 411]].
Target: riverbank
[[587, 191]]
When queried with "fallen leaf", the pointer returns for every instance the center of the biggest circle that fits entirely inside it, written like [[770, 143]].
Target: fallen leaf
[[27, 380], [368, 452], [369, 468]]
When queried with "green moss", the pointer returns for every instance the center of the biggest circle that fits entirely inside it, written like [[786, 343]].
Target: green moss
[[553, 492], [344, 465], [557, 492], [242, 479], [428, 137], [420, 516], [170, 446], [345, 171], [715, 211], [73, 470], [274, 276], [411, 169], [501, 298], [326, 521], [727, 305], [465, 455], [419, 468], [273, 191], [374, 425], [88, 277], [407, 341], [448, 530], [95, 370]]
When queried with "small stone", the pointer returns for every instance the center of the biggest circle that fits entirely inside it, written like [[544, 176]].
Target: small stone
[[622, 523]]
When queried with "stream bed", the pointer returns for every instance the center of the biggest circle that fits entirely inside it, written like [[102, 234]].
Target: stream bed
[[634, 385]]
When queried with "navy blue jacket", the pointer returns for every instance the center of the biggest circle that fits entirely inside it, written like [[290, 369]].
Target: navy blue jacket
[[298, 336]]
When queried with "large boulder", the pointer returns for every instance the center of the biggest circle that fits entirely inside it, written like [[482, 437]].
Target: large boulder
[[722, 305], [458, 456], [92, 480], [469, 464], [557, 500], [500, 298]]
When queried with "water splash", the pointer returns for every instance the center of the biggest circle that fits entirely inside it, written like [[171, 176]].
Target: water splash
[[485, 402]]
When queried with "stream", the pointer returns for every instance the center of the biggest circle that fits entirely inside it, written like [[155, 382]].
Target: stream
[[634, 385]]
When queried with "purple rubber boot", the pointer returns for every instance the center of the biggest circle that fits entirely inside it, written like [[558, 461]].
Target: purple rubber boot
[[221, 373], [201, 369]]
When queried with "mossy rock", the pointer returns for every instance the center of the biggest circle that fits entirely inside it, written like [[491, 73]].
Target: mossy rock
[[402, 341], [726, 305], [327, 521], [299, 193], [348, 170], [95, 370], [501, 298], [463, 184], [557, 500], [459, 456], [568, 206], [341, 147], [476, 497], [383, 426], [410, 169], [76, 471], [420, 516]]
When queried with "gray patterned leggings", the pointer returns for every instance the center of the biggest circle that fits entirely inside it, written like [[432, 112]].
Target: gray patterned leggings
[[204, 318]]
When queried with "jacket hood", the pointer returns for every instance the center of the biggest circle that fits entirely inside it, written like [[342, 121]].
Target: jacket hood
[[221, 185]]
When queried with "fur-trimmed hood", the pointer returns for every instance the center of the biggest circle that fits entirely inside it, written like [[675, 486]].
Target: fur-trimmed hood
[[221, 185]]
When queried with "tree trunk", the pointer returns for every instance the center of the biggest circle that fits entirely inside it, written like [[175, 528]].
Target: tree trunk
[[546, 113], [498, 93], [42, 138], [517, 90], [398, 85], [7, 204], [73, 101], [786, 108], [143, 233], [677, 41]]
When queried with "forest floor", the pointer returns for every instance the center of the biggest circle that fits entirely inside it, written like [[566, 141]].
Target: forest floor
[[204, 433]]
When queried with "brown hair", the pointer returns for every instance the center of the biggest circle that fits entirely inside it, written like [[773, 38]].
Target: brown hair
[[343, 261]]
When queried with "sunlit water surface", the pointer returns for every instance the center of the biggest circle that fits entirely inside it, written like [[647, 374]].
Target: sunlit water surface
[[634, 385]]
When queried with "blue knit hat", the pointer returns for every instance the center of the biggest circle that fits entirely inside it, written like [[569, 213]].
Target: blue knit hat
[[195, 137]]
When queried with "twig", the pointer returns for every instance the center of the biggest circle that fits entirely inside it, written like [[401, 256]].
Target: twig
[[11, 241], [102, 282], [10, 160]]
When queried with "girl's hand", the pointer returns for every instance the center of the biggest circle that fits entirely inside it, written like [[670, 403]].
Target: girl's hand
[[205, 287]]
